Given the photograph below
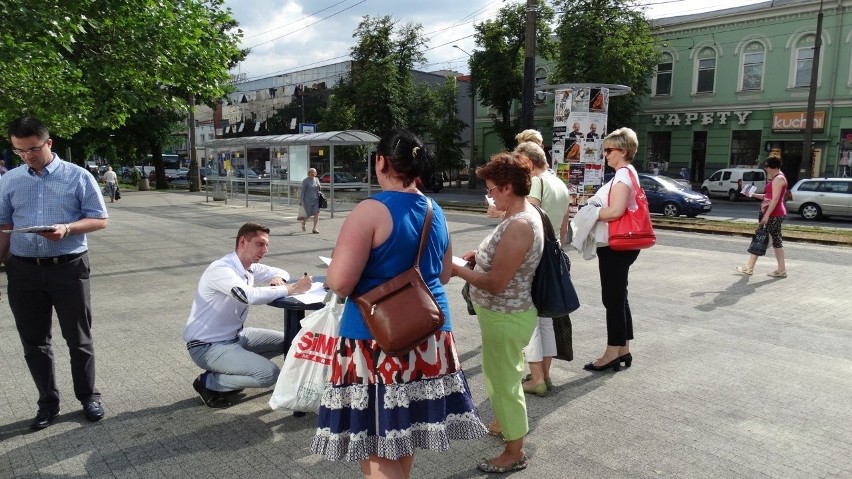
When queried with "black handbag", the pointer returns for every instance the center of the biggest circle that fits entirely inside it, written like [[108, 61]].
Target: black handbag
[[759, 241], [553, 293], [323, 203], [563, 334]]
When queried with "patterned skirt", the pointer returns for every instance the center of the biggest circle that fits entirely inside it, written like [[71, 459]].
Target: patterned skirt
[[380, 405]]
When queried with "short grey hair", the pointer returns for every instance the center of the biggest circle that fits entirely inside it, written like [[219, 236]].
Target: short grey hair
[[534, 152]]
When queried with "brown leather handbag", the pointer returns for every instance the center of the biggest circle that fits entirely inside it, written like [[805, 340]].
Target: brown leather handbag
[[401, 313]]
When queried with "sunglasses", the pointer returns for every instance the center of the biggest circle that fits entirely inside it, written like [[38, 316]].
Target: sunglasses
[[609, 150]]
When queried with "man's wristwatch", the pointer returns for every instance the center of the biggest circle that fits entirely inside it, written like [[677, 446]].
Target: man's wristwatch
[[67, 230]]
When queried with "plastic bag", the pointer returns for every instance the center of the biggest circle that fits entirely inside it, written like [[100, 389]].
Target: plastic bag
[[308, 363], [302, 214]]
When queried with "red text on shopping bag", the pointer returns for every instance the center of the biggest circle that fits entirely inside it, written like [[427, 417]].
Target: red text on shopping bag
[[315, 347]]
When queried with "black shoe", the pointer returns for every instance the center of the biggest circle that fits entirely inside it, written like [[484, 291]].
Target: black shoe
[[627, 359], [93, 410], [299, 414], [44, 418], [211, 398], [615, 365]]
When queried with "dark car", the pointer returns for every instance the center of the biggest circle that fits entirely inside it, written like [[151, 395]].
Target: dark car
[[342, 181], [670, 198]]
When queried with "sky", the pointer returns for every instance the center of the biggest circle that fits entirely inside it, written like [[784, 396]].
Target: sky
[[291, 35]]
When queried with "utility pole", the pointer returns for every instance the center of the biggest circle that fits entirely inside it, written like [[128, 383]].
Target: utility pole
[[194, 174], [528, 98], [808, 148]]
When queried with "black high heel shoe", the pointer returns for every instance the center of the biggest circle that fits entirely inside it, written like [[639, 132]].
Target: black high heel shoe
[[627, 359], [615, 365]]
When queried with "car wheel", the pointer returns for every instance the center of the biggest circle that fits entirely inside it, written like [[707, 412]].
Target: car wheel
[[733, 195], [671, 210], [810, 211], [705, 192]]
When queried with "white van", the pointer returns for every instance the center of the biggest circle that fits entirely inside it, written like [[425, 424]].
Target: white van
[[729, 182]]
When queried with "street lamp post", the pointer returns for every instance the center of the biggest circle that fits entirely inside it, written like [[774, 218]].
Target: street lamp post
[[471, 177]]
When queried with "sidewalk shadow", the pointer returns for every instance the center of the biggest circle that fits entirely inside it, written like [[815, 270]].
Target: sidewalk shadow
[[129, 440], [730, 295]]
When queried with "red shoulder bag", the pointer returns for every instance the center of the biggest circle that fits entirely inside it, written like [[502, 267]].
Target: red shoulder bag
[[633, 229]]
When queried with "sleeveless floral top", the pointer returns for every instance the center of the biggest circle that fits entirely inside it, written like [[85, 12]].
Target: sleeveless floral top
[[517, 297]]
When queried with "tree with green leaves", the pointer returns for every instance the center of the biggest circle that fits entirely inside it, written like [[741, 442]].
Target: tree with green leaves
[[379, 93], [497, 67], [606, 41], [97, 62]]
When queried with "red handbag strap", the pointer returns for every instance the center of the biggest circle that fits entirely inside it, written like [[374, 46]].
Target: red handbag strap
[[424, 235], [635, 186]]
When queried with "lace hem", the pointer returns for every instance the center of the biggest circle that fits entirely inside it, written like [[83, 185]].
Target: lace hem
[[395, 395], [397, 443]]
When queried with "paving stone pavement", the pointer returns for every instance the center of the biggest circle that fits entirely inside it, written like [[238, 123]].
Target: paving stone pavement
[[734, 376]]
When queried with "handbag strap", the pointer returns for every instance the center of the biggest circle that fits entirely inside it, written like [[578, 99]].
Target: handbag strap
[[632, 178], [545, 221], [427, 225]]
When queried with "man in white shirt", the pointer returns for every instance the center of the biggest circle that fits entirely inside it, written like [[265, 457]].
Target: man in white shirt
[[235, 358]]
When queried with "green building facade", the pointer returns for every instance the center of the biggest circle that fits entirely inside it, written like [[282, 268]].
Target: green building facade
[[732, 87]]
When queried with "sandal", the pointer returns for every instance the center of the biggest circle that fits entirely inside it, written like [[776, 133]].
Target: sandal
[[777, 274], [745, 270], [488, 466]]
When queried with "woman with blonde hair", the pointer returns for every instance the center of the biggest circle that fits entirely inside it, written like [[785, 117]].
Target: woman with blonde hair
[[550, 193], [615, 197], [530, 135], [309, 198]]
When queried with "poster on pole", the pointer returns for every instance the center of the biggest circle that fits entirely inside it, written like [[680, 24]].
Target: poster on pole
[[579, 125]]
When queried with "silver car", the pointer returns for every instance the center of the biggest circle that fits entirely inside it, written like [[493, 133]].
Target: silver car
[[813, 198]]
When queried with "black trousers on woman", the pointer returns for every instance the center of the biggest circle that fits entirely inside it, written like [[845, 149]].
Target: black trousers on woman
[[614, 267]]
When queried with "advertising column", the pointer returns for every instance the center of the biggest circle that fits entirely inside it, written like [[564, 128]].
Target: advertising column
[[579, 125]]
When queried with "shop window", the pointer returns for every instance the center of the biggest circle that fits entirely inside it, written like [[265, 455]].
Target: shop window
[[663, 78], [745, 148], [706, 74], [804, 61], [752, 66], [659, 150]]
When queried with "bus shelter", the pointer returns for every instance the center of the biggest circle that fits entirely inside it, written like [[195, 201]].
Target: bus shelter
[[286, 157]]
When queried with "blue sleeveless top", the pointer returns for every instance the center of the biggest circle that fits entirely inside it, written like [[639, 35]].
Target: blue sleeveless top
[[397, 253]]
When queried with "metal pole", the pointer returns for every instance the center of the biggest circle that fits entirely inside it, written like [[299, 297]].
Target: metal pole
[[471, 170], [194, 174], [528, 98], [807, 147]]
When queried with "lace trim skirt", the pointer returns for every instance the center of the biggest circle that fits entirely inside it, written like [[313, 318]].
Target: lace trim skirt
[[380, 405]]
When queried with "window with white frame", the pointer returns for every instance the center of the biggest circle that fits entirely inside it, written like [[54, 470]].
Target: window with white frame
[[753, 59], [706, 71], [663, 84], [804, 61]]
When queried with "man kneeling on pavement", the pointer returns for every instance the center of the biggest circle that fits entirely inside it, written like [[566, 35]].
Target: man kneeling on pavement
[[234, 357]]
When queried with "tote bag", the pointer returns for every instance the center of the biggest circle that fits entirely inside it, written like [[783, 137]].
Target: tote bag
[[759, 241], [633, 229], [553, 293], [308, 363]]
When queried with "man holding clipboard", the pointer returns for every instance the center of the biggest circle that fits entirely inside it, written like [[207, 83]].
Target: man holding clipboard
[[47, 206]]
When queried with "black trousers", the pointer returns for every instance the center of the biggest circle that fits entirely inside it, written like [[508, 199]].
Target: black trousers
[[614, 267], [34, 292]]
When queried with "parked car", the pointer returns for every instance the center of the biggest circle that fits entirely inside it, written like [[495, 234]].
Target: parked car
[[342, 181], [170, 173], [670, 198], [814, 198], [728, 182]]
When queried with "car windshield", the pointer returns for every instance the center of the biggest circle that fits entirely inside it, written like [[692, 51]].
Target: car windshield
[[671, 184]]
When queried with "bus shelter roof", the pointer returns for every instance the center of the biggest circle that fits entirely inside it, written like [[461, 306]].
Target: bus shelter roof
[[333, 138]]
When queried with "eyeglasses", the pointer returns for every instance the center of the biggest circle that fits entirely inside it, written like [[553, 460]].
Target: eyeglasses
[[488, 190], [32, 150], [609, 150]]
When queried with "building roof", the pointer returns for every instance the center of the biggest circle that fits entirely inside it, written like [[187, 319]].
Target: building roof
[[716, 14], [333, 138]]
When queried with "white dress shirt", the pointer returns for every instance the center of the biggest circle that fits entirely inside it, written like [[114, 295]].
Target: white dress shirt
[[225, 291]]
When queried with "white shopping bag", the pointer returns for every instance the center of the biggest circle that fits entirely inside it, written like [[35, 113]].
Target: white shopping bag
[[308, 363], [303, 215]]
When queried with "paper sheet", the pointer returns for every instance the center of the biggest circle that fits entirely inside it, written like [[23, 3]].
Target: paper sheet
[[314, 295], [459, 262], [325, 260], [31, 229]]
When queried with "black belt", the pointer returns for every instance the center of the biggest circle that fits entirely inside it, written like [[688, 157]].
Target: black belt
[[195, 343], [65, 258]]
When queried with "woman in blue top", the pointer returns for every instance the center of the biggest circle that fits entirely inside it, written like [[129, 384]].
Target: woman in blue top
[[376, 409]]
